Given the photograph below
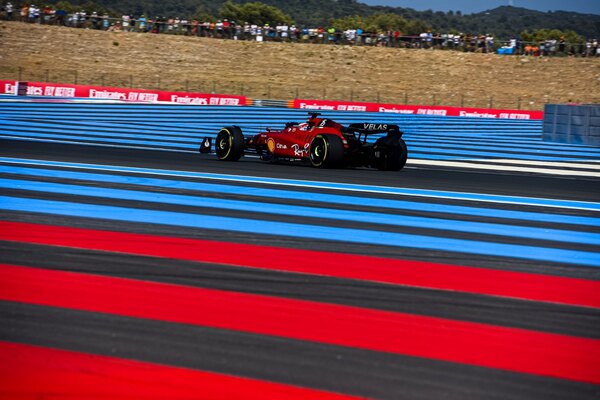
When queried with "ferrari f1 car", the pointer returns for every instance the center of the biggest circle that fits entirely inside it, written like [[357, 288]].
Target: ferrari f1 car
[[321, 141]]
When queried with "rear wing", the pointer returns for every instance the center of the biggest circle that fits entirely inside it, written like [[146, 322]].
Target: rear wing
[[370, 128]]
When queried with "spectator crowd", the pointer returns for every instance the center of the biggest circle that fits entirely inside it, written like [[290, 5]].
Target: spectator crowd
[[225, 29]]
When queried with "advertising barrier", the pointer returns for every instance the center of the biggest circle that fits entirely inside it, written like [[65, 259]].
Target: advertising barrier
[[110, 93], [328, 105], [58, 90]]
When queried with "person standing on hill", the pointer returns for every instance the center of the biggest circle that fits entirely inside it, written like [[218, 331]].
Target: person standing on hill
[[125, 23], [226, 29], [359, 34], [24, 12], [9, 11], [284, 31], [132, 23], [219, 28], [33, 13], [105, 22], [95, 20]]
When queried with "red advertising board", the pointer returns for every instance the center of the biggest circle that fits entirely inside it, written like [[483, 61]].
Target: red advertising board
[[110, 93], [328, 105], [152, 96]]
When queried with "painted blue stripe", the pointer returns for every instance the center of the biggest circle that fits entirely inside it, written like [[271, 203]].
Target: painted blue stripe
[[117, 131], [306, 196], [300, 231], [260, 122], [312, 212], [257, 119], [114, 146], [540, 202], [87, 139]]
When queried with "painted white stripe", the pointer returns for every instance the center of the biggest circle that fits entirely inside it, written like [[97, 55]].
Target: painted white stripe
[[505, 168], [557, 164]]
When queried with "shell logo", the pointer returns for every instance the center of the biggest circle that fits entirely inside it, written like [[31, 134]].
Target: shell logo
[[271, 145]]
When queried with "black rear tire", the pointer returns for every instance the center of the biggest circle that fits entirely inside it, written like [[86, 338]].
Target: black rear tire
[[394, 154], [229, 145], [326, 151]]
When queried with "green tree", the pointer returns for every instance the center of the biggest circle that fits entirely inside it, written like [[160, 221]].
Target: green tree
[[350, 22], [540, 35], [379, 22], [254, 13], [382, 22], [417, 27], [202, 15], [65, 5], [88, 6]]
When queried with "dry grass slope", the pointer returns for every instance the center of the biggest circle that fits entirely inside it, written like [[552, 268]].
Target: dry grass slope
[[289, 70]]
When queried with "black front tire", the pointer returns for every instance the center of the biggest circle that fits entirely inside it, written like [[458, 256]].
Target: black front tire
[[326, 151], [229, 145]]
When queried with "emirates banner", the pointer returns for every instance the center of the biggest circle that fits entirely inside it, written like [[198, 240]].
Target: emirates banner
[[328, 105], [119, 94], [154, 96]]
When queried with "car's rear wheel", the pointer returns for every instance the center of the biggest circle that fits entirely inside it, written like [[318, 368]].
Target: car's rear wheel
[[229, 145], [393, 154], [326, 151]]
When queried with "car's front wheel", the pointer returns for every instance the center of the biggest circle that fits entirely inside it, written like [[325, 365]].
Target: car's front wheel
[[326, 151], [229, 145]]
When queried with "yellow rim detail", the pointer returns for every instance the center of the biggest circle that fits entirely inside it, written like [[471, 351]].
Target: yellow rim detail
[[229, 136], [324, 151]]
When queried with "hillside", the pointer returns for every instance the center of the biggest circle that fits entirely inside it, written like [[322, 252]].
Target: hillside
[[286, 70], [504, 22], [509, 21]]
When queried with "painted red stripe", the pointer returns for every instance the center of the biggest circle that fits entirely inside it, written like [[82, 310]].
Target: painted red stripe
[[457, 341], [544, 288], [32, 372]]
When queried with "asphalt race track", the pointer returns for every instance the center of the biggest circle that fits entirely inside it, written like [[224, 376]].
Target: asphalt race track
[[128, 271]]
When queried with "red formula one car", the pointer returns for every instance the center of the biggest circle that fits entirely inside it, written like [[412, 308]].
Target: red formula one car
[[321, 141]]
